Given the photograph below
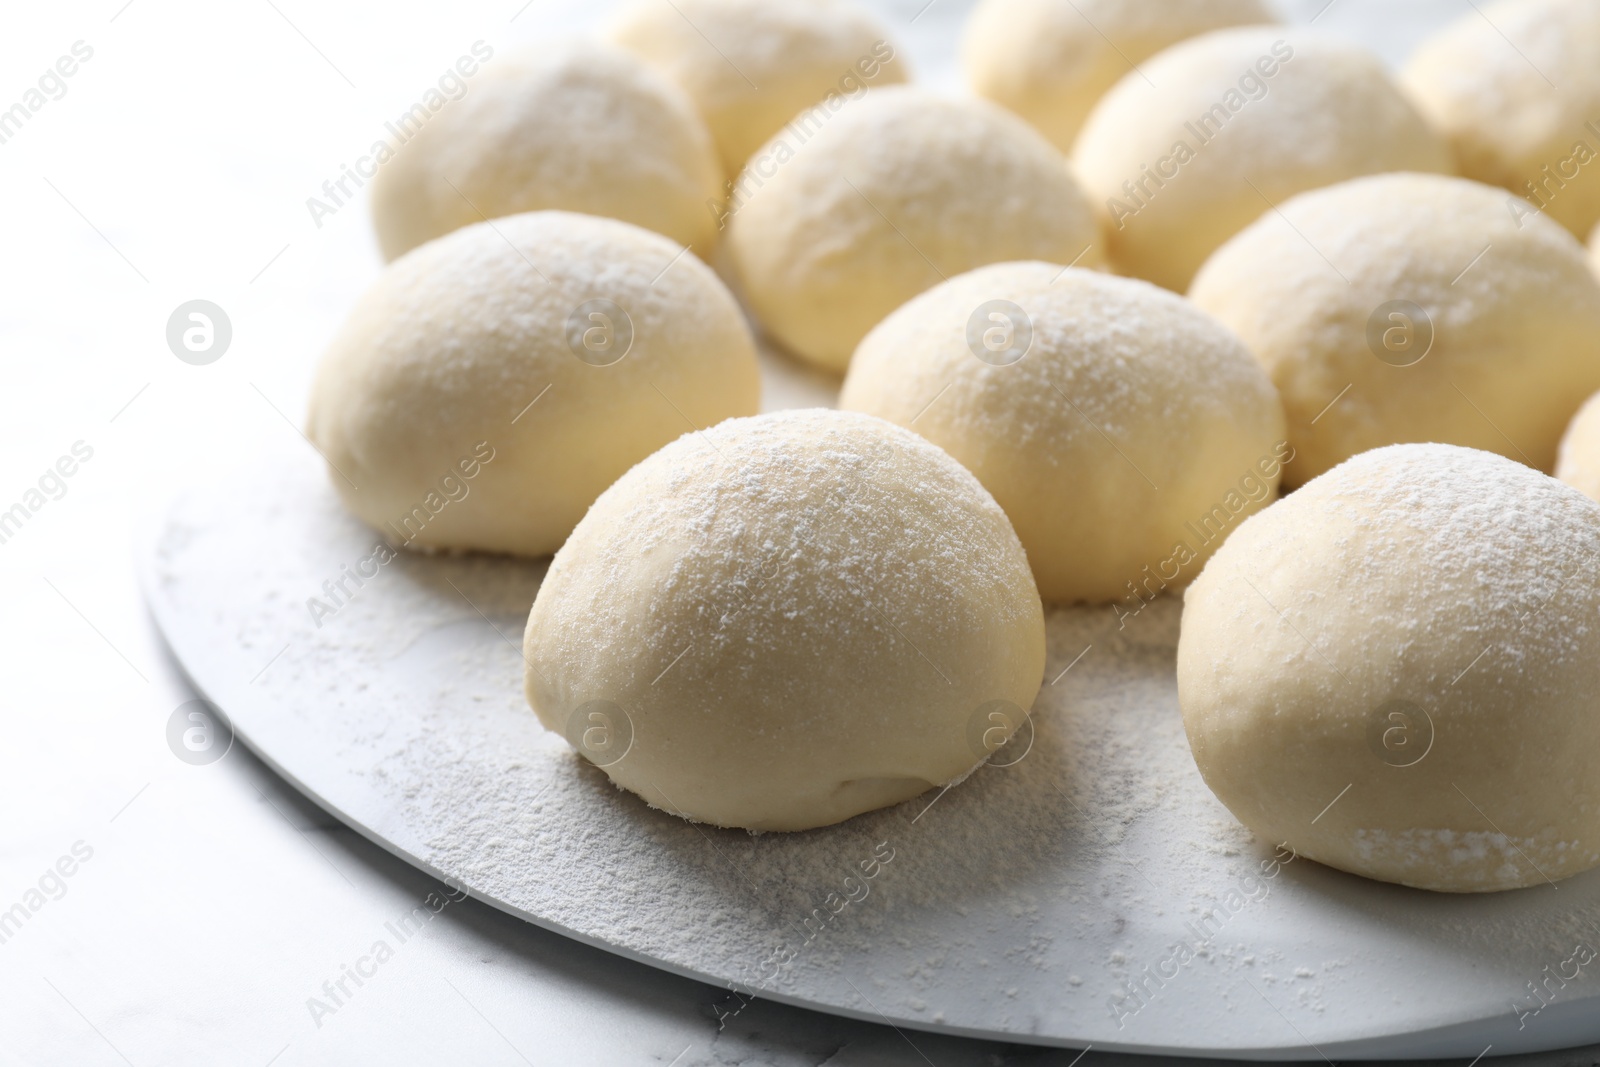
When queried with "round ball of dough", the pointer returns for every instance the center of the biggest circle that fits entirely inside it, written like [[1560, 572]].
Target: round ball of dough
[[1394, 671], [1515, 88], [893, 193], [1411, 307], [580, 128], [1050, 61], [495, 381], [1217, 130], [786, 621], [1578, 461], [1124, 432], [752, 65]]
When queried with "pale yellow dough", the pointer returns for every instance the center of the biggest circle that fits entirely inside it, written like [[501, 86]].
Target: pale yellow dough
[[1127, 440], [1050, 61], [1213, 132], [834, 228], [577, 127], [1410, 307], [492, 383], [752, 65], [786, 621], [1516, 89], [1394, 671], [1578, 461]]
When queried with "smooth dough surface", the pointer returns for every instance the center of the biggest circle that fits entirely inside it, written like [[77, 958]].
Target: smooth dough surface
[[1514, 88], [752, 65], [1395, 671], [1125, 442], [487, 343], [1050, 61], [1578, 460], [581, 127], [1220, 128], [888, 196], [1409, 307], [794, 618]]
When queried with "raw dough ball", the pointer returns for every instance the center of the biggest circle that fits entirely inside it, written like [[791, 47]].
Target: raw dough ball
[[895, 192], [752, 65], [1124, 432], [1578, 462], [582, 128], [1288, 110], [789, 620], [1516, 90], [1050, 61], [1410, 307], [495, 381], [1395, 670]]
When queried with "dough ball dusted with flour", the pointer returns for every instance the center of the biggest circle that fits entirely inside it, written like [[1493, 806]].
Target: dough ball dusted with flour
[[751, 66], [1515, 88], [1050, 61], [786, 621], [1395, 671], [1206, 136], [579, 127], [1410, 307], [895, 192], [1578, 461], [495, 381], [1123, 431]]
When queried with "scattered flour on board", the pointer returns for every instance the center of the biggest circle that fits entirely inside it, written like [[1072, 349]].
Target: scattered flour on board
[[1023, 898]]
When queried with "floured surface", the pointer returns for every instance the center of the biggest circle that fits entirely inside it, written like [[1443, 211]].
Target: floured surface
[[1021, 903]]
